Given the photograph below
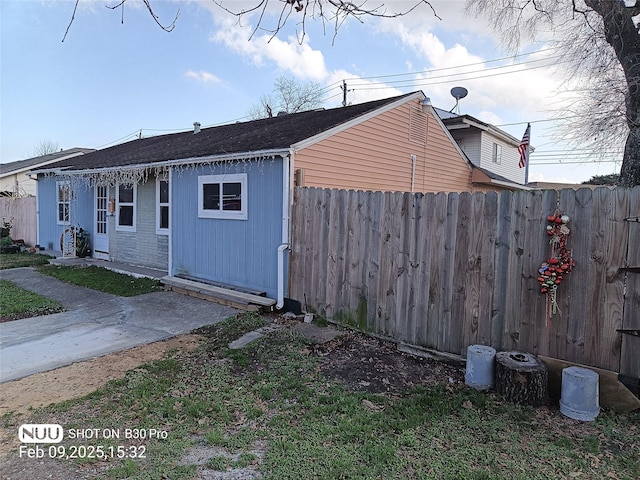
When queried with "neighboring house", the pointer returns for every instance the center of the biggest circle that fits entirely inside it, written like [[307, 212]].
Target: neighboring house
[[489, 148], [18, 190], [214, 204], [14, 178]]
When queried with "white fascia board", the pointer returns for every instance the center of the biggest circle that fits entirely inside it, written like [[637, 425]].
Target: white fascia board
[[504, 136], [451, 139], [307, 142], [28, 170]]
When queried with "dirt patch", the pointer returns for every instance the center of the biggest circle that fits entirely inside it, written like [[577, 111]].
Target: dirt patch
[[368, 364], [82, 378], [77, 380]]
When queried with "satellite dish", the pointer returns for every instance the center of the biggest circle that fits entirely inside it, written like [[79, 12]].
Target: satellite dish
[[458, 93]]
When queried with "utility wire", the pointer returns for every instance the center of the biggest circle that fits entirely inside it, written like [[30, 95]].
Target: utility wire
[[405, 83]]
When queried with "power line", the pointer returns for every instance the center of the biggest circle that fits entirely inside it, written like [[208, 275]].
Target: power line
[[409, 83], [472, 72], [457, 66]]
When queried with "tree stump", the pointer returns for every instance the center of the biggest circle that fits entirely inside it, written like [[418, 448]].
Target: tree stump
[[522, 378]]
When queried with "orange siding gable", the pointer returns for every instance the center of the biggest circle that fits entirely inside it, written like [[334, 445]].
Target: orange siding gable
[[376, 155]]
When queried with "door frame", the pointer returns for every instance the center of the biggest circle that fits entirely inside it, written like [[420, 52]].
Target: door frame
[[101, 222]]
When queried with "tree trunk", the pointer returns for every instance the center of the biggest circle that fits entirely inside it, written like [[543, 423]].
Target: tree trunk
[[522, 378], [622, 35], [630, 171]]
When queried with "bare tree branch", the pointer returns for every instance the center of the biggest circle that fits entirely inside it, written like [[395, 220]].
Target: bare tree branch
[[336, 13], [45, 147], [73, 17], [288, 96], [602, 45], [120, 4]]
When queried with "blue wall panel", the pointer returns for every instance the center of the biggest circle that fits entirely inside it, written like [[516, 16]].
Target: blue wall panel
[[82, 206], [235, 252]]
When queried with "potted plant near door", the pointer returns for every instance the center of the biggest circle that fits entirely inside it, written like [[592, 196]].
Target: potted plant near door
[[83, 244]]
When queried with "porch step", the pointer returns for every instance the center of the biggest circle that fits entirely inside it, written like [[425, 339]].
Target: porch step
[[224, 296], [259, 293]]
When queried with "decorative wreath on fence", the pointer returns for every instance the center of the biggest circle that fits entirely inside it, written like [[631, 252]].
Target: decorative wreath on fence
[[559, 263]]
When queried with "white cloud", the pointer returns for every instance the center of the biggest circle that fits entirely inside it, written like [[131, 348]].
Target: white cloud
[[202, 76], [301, 61]]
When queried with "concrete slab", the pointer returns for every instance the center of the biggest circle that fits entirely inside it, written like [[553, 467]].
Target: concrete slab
[[245, 340], [94, 324]]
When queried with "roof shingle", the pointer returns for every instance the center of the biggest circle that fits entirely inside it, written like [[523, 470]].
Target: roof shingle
[[265, 134]]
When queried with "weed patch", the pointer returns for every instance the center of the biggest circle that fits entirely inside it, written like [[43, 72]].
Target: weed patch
[[103, 280], [22, 259], [16, 302]]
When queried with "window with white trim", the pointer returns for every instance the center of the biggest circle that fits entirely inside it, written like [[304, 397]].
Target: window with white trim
[[162, 209], [63, 201], [223, 196], [497, 153], [126, 208]]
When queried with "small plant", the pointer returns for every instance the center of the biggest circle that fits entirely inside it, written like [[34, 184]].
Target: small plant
[[5, 230], [219, 463]]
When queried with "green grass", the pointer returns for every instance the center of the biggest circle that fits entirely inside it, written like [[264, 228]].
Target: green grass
[[104, 280], [22, 259], [19, 303], [273, 395]]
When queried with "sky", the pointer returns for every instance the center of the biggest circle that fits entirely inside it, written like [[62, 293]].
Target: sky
[[117, 75]]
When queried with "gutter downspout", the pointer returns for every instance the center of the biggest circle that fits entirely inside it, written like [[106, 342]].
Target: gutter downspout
[[37, 211], [171, 229], [413, 172], [286, 202]]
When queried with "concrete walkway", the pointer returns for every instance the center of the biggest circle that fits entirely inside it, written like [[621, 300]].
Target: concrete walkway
[[93, 324]]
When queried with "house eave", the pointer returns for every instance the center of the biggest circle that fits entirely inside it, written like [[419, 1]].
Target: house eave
[[228, 157], [467, 122], [29, 170], [480, 177]]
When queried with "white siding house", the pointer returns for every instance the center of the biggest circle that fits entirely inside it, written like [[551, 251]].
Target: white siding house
[[486, 146]]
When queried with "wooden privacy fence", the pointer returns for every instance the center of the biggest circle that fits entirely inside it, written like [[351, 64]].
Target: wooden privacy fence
[[23, 212], [445, 271]]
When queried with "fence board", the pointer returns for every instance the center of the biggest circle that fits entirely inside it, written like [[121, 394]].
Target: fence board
[[487, 260], [443, 271], [437, 237], [23, 212]]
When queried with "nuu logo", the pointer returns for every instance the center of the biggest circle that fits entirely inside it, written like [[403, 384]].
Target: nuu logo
[[40, 433]]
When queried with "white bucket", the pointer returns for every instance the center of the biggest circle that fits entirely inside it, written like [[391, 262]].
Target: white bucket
[[580, 398], [480, 367]]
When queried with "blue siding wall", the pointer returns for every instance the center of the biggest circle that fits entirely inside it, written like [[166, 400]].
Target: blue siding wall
[[82, 206], [235, 252]]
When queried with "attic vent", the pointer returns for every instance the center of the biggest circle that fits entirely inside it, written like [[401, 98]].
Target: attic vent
[[417, 126]]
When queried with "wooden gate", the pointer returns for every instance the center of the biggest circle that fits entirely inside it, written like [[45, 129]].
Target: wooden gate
[[630, 331]]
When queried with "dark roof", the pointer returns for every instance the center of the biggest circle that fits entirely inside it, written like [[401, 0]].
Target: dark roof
[[279, 132], [492, 175], [450, 118], [11, 167]]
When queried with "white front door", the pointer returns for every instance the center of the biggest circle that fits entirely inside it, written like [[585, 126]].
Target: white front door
[[101, 232]]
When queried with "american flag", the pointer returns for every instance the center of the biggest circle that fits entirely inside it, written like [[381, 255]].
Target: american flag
[[523, 149]]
